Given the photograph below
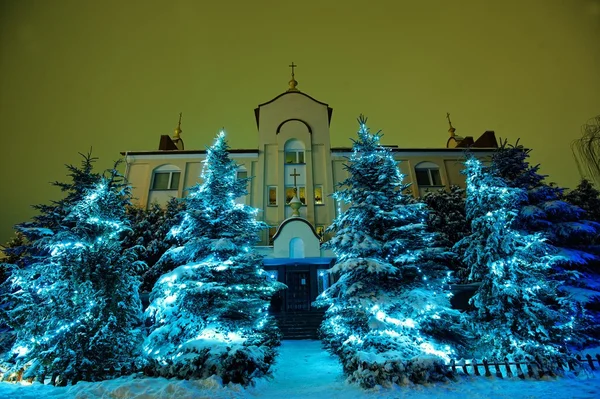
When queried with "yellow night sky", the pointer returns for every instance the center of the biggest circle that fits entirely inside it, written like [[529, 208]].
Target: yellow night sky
[[114, 75]]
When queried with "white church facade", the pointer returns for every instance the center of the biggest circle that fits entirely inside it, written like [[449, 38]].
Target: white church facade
[[294, 155]]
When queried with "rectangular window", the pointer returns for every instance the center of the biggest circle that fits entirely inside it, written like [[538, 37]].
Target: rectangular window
[[289, 194], [290, 157], [428, 177], [294, 156], [422, 177], [319, 195], [166, 181], [272, 194], [242, 174]]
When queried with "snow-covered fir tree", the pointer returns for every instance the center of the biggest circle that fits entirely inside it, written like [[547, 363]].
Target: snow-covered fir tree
[[52, 217], [544, 210], [150, 230], [388, 318], [587, 197], [77, 313], [209, 315], [447, 218], [13, 252], [587, 287], [26, 247], [565, 225], [447, 214], [519, 311]]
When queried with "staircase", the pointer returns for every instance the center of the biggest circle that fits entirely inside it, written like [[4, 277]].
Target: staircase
[[300, 324]]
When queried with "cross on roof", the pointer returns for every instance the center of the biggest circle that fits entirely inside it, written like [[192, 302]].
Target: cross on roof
[[293, 66], [449, 121]]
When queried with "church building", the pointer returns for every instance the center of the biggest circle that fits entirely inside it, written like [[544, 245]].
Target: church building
[[294, 171]]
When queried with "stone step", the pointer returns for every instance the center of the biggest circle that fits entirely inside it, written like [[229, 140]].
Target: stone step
[[301, 337], [299, 325]]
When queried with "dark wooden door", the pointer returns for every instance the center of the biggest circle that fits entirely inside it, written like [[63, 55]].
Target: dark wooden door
[[298, 292]]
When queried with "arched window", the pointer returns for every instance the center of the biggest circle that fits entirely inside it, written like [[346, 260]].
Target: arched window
[[295, 171], [294, 152], [428, 174], [296, 248], [166, 177]]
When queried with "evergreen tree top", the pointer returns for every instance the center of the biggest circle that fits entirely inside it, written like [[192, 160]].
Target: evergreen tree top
[[374, 177], [52, 217], [212, 214], [544, 208], [381, 221]]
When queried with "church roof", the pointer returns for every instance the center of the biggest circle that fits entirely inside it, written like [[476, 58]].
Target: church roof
[[487, 139], [294, 219], [166, 143], [191, 152], [293, 92], [430, 149], [257, 109]]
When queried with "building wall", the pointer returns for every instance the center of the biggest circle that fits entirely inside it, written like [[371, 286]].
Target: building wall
[[291, 119], [140, 171]]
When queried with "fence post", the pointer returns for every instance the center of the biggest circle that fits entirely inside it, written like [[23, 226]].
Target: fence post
[[590, 361], [520, 371], [487, 368], [475, 369], [509, 373], [560, 365], [598, 359], [453, 365], [530, 367], [550, 371], [498, 372], [464, 366], [571, 363], [539, 367]]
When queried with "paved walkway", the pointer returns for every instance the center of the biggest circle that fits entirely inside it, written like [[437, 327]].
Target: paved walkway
[[303, 370]]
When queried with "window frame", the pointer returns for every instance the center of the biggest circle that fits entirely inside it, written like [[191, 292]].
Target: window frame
[[430, 178], [170, 181], [322, 201], [300, 188], [274, 188], [297, 157]]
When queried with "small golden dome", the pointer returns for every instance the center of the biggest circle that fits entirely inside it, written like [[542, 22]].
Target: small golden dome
[[293, 83], [452, 129], [178, 130]]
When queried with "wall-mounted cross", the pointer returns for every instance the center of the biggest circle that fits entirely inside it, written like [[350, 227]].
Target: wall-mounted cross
[[294, 175]]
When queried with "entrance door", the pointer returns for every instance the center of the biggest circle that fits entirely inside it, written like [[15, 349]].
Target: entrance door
[[298, 292]]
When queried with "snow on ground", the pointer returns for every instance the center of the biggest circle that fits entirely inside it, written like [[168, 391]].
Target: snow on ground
[[304, 370]]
